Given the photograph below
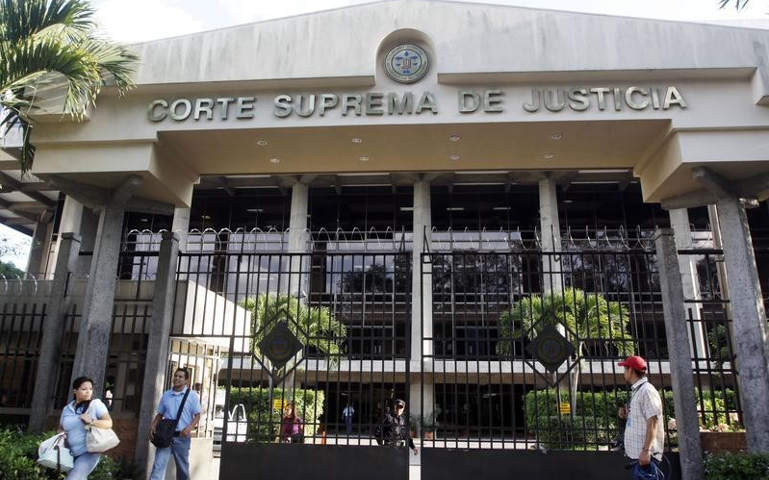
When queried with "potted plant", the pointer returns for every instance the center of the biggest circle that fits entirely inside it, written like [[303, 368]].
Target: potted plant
[[427, 423]]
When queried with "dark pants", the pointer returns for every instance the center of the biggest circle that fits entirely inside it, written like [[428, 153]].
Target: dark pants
[[348, 424]]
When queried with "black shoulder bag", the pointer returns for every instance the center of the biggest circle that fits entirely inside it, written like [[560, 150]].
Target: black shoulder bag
[[166, 428]]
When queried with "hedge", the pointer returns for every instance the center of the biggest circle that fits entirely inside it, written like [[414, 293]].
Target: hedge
[[18, 455], [732, 466], [594, 420], [595, 417], [309, 406]]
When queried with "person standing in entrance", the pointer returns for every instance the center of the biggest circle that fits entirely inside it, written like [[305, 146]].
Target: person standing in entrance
[[644, 434], [190, 416], [394, 430], [348, 413]]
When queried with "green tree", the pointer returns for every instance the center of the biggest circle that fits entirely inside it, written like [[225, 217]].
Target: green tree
[[594, 326], [314, 326], [50, 44], [9, 270]]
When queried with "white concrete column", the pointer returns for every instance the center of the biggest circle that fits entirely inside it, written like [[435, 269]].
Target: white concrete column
[[39, 250], [98, 303], [71, 215], [298, 237], [550, 235], [157, 344], [421, 389], [687, 264], [299, 242], [748, 321], [52, 331], [181, 226], [78, 219], [674, 308]]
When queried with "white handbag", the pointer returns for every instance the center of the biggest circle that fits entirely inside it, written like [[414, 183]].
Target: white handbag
[[52, 453], [99, 440]]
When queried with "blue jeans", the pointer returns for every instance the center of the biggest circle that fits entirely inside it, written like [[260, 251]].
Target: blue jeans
[[180, 448], [84, 465]]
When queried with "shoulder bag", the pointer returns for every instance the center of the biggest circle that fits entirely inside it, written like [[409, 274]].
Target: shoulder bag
[[166, 428], [99, 440], [52, 453]]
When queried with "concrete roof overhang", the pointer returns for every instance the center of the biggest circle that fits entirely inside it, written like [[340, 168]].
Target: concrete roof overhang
[[721, 72]]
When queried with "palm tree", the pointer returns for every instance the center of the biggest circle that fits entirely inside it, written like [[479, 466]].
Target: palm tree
[[315, 327], [589, 320], [50, 44]]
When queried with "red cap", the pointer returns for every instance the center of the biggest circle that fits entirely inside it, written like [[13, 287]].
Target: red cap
[[635, 362]]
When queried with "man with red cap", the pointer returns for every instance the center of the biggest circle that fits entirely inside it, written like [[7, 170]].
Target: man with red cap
[[644, 434]]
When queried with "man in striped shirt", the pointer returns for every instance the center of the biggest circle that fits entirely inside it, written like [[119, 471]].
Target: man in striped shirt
[[644, 434]]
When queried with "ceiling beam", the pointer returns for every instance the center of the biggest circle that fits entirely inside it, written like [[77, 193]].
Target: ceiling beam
[[224, 184], [713, 182], [150, 207], [8, 182], [15, 224], [5, 204], [694, 199], [91, 196], [307, 179]]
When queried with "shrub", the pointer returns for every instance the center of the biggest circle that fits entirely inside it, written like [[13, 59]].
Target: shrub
[[264, 421], [731, 466], [568, 432], [18, 459], [18, 452], [541, 406]]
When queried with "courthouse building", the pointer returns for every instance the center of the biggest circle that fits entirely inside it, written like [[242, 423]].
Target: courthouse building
[[401, 184]]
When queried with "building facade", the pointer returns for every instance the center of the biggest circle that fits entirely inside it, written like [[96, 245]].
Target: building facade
[[466, 206]]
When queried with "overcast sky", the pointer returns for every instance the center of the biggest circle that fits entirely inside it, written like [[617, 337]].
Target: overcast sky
[[140, 20]]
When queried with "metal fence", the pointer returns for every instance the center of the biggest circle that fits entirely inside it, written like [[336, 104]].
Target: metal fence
[[126, 358], [20, 327], [316, 332], [521, 348]]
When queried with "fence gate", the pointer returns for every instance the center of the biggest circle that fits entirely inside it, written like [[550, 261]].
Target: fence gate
[[519, 361], [306, 336]]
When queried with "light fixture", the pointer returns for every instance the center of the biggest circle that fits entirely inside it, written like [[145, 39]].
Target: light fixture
[[206, 217], [261, 142], [145, 220], [454, 138], [557, 136], [568, 201], [407, 209], [501, 209], [364, 158], [455, 209], [275, 160], [454, 157], [548, 156], [357, 140], [255, 210], [596, 182], [604, 170]]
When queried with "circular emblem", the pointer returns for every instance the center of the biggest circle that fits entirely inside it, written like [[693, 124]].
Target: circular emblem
[[406, 63]]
